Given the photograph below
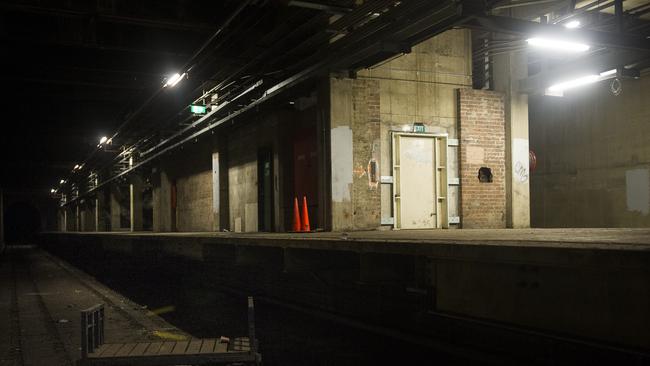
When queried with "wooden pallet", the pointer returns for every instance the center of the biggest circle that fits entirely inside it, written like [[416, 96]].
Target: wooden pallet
[[192, 352]]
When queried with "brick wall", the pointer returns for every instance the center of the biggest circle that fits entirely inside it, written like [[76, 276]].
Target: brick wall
[[482, 144], [365, 135], [355, 117]]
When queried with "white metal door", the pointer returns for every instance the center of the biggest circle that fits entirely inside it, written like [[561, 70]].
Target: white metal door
[[418, 195]]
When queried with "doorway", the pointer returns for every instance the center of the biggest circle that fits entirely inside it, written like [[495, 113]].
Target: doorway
[[265, 217], [420, 180]]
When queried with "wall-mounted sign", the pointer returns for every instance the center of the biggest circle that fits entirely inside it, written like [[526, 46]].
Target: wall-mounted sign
[[418, 127], [198, 109]]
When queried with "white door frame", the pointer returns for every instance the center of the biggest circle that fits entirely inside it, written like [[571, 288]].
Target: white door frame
[[440, 176]]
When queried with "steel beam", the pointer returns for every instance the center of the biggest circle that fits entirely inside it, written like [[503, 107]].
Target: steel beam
[[318, 6], [522, 27]]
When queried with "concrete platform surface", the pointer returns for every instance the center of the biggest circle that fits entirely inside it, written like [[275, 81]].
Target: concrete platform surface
[[584, 238]]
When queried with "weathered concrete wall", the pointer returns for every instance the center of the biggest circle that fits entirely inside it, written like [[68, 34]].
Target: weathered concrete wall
[[194, 187], [162, 210], [120, 207], [87, 215], [243, 145], [355, 145], [417, 87], [593, 157], [482, 145]]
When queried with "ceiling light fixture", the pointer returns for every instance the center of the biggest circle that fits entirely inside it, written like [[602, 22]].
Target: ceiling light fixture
[[557, 45], [572, 24], [103, 140], [559, 88], [608, 73], [174, 79], [584, 80]]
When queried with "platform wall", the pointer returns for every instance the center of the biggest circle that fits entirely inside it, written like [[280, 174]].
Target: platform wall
[[593, 157], [508, 293]]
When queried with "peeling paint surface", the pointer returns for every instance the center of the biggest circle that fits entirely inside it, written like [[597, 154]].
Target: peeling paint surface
[[637, 184], [341, 163]]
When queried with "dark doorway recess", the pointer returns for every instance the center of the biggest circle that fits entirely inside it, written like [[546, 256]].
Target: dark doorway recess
[[22, 221], [265, 217]]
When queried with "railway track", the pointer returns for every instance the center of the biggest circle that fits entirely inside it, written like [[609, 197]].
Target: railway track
[[33, 336]]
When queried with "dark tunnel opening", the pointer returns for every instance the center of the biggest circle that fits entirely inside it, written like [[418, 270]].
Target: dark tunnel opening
[[22, 222]]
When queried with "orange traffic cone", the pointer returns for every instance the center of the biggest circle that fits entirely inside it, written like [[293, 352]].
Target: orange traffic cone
[[305, 215], [296, 215]]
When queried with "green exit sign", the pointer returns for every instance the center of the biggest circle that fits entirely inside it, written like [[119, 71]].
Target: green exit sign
[[198, 109]]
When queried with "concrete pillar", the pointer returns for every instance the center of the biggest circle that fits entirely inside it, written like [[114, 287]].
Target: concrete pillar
[[216, 192], [2, 219], [135, 202], [98, 211], [77, 217], [509, 68]]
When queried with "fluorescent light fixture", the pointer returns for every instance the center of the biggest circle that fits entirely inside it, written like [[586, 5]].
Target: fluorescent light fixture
[[572, 24], [559, 88], [174, 79], [558, 45], [589, 79], [103, 139], [608, 73]]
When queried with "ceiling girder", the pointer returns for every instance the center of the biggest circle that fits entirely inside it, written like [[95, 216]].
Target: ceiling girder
[[528, 28]]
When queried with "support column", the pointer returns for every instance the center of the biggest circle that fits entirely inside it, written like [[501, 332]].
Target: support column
[[216, 192], [135, 201], [77, 217], [98, 210], [509, 68], [2, 219]]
